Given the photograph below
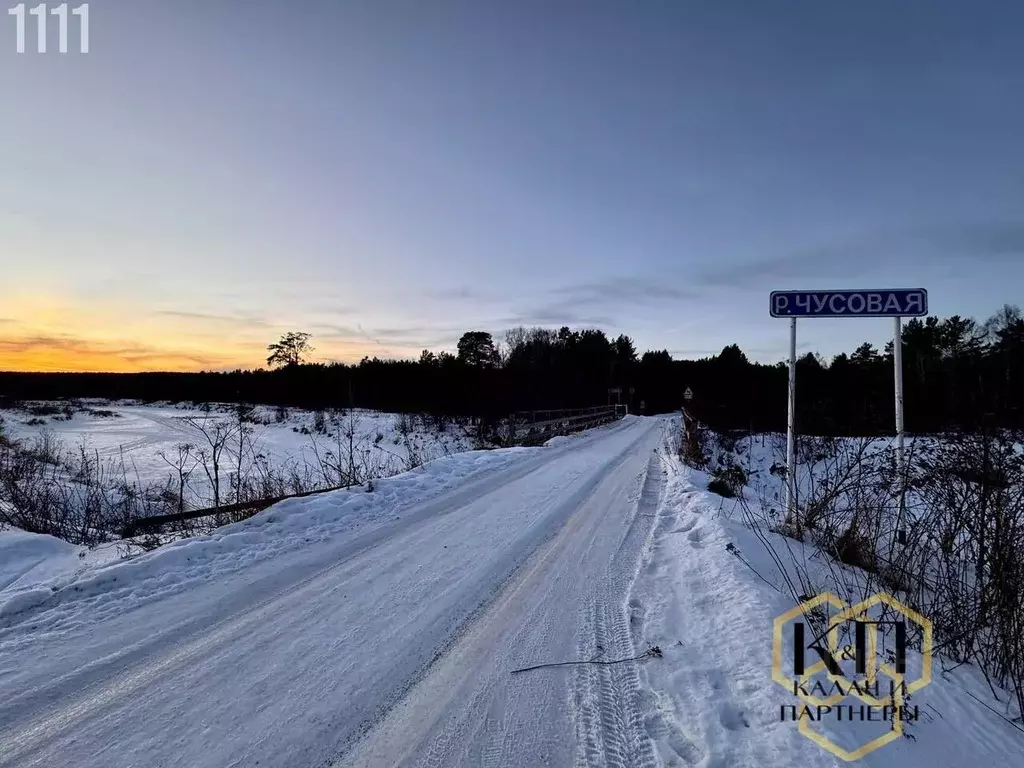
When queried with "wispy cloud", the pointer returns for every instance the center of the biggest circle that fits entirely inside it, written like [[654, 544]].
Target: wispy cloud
[[622, 290], [463, 293], [68, 353], [814, 263], [331, 330], [208, 317], [938, 245], [423, 337], [553, 315], [992, 241], [594, 303]]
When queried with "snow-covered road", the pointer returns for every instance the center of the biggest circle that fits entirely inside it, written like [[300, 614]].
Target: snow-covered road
[[391, 645]]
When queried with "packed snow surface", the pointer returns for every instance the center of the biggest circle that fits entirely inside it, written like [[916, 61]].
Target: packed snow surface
[[385, 628], [283, 640]]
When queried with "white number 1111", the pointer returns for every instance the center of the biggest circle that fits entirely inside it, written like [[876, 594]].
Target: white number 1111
[[61, 12]]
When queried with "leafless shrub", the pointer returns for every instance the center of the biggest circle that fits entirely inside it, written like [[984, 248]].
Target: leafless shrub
[[413, 454], [727, 480], [945, 536], [85, 498], [43, 409], [972, 503], [44, 448], [320, 423], [693, 446], [437, 422], [183, 463], [405, 424], [215, 434]]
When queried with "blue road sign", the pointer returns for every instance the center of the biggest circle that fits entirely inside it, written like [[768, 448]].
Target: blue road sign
[[905, 302]]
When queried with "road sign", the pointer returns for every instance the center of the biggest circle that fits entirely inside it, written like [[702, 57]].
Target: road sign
[[688, 394], [902, 302], [896, 303]]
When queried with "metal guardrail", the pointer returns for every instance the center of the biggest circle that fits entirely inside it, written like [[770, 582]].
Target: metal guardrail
[[233, 512], [533, 427]]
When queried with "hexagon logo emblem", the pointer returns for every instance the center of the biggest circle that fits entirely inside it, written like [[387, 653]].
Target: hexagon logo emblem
[[854, 662]]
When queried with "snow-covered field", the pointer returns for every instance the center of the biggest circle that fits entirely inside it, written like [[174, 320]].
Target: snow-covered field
[[141, 441], [140, 433], [386, 628]]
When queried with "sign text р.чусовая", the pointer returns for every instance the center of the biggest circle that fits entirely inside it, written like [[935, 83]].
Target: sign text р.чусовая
[[904, 302]]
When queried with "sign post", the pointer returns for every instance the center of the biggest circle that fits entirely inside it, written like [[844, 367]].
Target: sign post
[[791, 427], [897, 359], [895, 303]]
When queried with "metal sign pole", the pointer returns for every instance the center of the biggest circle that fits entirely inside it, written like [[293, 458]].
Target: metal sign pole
[[901, 465], [897, 358], [791, 427]]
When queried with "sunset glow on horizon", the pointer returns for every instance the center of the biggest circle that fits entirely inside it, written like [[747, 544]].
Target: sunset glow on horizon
[[131, 339], [210, 176]]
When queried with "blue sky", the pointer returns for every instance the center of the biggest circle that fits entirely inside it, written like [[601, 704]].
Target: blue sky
[[386, 174]]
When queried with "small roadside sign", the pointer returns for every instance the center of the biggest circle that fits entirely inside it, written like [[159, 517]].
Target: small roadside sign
[[688, 394]]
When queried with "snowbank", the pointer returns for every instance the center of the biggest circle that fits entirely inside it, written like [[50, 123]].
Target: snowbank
[[708, 593], [61, 595], [27, 559], [30, 561]]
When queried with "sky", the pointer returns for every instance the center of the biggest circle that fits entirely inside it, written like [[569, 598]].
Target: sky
[[387, 174]]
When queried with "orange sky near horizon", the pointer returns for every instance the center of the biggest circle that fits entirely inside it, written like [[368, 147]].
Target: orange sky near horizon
[[44, 334], [70, 354], [57, 333]]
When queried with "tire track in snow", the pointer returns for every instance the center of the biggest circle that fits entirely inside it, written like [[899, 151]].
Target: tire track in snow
[[609, 716], [224, 632], [139, 688], [469, 711], [143, 668], [561, 521], [415, 513]]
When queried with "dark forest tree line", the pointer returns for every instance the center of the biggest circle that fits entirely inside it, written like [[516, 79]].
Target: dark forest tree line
[[958, 373]]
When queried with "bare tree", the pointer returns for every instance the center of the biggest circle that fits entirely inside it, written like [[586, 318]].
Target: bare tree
[[244, 419], [216, 433], [183, 464]]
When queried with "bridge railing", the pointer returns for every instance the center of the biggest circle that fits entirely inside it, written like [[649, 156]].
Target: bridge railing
[[534, 427]]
